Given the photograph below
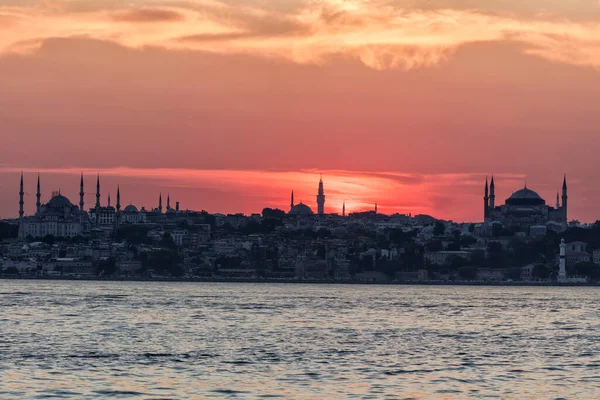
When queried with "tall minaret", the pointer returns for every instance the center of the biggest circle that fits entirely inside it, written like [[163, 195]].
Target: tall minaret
[[38, 195], [375, 208], [98, 192], [486, 200], [160, 203], [292, 201], [564, 198], [321, 198], [109, 199], [344, 209], [562, 272], [21, 202], [81, 193], [168, 201], [492, 194], [118, 198]]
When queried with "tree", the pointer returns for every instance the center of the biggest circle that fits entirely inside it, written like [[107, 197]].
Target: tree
[[273, 213], [167, 242], [439, 228], [540, 271], [434, 245], [588, 269], [467, 273], [106, 267], [458, 262], [8, 230], [133, 234], [165, 261], [467, 240]]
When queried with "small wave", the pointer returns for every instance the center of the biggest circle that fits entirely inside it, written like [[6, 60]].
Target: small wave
[[119, 393]]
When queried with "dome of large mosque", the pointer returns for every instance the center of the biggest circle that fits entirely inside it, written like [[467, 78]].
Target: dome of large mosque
[[59, 201], [301, 209], [130, 208], [525, 196]]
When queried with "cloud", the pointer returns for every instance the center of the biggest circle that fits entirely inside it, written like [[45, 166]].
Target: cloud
[[381, 34], [148, 15]]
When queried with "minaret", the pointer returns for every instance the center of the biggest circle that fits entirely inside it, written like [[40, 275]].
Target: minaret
[[564, 198], [21, 202], [492, 194], [98, 192], [109, 199], [81, 193], [557, 201], [118, 198], [292, 201], [168, 201], [344, 209], [486, 200], [321, 198], [375, 208], [38, 195], [562, 272], [160, 203]]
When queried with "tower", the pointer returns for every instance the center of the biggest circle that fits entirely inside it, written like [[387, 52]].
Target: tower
[[98, 192], [486, 200], [344, 209], [562, 272], [38, 195], [375, 208], [492, 195], [564, 198], [321, 198], [81, 193], [292, 201], [118, 198], [160, 203], [109, 200], [21, 202], [168, 201], [557, 201]]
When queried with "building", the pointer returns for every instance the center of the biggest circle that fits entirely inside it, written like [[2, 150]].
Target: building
[[304, 210], [563, 262], [524, 209], [59, 217], [596, 258], [321, 198], [444, 257]]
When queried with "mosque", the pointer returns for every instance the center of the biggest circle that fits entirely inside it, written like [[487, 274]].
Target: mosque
[[61, 218], [525, 209], [303, 210], [58, 217]]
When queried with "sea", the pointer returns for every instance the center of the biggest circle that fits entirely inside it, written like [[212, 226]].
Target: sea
[[159, 340]]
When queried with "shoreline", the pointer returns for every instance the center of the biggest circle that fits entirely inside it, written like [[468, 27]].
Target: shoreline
[[299, 281]]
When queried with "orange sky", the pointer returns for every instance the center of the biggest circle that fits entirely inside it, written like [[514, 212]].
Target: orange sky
[[229, 105]]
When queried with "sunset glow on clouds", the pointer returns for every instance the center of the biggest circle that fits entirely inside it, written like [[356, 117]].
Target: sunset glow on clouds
[[231, 104], [382, 34]]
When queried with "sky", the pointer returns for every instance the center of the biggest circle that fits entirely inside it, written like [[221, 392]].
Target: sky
[[229, 105]]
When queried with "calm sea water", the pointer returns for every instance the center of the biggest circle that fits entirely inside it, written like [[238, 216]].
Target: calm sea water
[[196, 340]]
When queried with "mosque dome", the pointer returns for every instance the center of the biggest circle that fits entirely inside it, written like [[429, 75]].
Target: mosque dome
[[525, 197], [130, 208], [301, 209], [59, 201]]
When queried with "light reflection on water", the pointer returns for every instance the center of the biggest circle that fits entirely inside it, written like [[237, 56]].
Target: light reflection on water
[[199, 340]]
